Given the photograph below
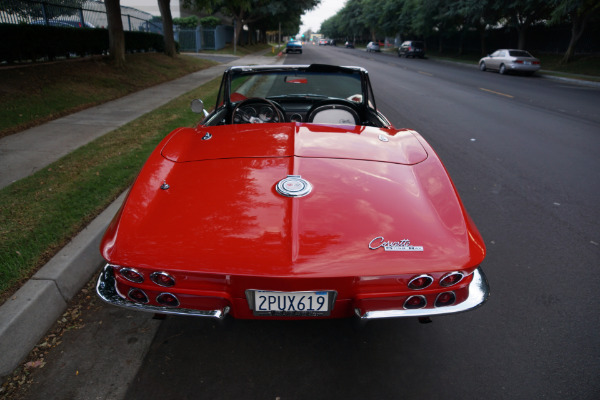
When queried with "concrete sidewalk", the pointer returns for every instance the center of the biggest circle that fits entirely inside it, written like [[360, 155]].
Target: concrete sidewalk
[[28, 314], [26, 152]]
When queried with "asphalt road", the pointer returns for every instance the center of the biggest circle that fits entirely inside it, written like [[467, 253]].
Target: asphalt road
[[523, 153]]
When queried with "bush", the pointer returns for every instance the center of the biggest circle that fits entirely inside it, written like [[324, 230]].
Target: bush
[[210, 22], [34, 42], [190, 22]]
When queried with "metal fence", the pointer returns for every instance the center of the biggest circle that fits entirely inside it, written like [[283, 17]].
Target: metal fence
[[73, 13], [204, 38]]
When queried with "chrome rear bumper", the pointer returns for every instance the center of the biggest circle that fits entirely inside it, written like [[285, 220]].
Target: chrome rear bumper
[[479, 291], [478, 294], [107, 291]]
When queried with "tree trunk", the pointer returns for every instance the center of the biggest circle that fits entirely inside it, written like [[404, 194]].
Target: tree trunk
[[116, 36], [579, 22], [522, 35], [167, 22], [239, 25], [461, 41], [483, 47]]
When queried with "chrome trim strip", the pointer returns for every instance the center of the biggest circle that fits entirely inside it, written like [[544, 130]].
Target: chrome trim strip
[[420, 296], [146, 299], [154, 278], [479, 291], [438, 297], [462, 276], [106, 289], [419, 277], [168, 294], [135, 271]]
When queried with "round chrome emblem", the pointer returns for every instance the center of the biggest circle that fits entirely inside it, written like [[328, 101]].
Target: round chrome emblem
[[293, 186]]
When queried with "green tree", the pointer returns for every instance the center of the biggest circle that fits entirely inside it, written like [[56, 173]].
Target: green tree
[[525, 13], [259, 12], [370, 17], [190, 22], [578, 13], [447, 20], [349, 22], [209, 22], [477, 14]]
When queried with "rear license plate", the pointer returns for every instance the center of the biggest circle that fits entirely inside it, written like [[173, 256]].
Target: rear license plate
[[312, 304], [527, 63]]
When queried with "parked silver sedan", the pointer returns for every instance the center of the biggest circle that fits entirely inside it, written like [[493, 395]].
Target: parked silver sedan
[[507, 60], [373, 46]]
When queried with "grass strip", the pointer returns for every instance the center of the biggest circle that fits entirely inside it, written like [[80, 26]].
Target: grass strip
[[41, 213], [36, 93]]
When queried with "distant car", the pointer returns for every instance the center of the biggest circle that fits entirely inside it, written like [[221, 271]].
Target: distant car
[[247, 213], [293, 47], [373, 46], [323, 42], [510, 60], [411, 48], [349, 45]]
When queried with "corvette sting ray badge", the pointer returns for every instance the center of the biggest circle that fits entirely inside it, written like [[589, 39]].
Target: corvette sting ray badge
[[402, 245]]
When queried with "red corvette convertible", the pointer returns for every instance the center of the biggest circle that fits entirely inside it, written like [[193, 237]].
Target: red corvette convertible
[[294, 198]]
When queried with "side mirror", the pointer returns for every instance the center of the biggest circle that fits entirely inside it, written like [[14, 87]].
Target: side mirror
[[197, 107]]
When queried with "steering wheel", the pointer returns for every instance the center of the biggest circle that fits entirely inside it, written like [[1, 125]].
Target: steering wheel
[[256, 110], [334, 108]]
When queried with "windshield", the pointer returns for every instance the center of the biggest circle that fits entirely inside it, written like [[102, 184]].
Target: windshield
[[519, 53], [342, 85]]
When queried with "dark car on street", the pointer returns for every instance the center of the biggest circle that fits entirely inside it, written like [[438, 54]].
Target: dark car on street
[[412, 48], [293, 46]]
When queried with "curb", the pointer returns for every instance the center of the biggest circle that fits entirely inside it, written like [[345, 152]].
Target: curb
[[32, 310], [574, 81]]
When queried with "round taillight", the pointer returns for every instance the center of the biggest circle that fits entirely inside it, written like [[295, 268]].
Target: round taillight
[[420, 282], [138, 295], [167, 299], [415, 302], [162, 279], [451, 279], [445, 299], [132, 275]]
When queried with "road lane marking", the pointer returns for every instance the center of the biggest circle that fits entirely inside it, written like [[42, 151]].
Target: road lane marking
[[425, 73], [498, 93]]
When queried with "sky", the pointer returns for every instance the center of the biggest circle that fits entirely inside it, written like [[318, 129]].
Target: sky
[[311, 19]]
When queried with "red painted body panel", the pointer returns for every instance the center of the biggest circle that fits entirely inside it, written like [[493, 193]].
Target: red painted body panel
[[221, 228]]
